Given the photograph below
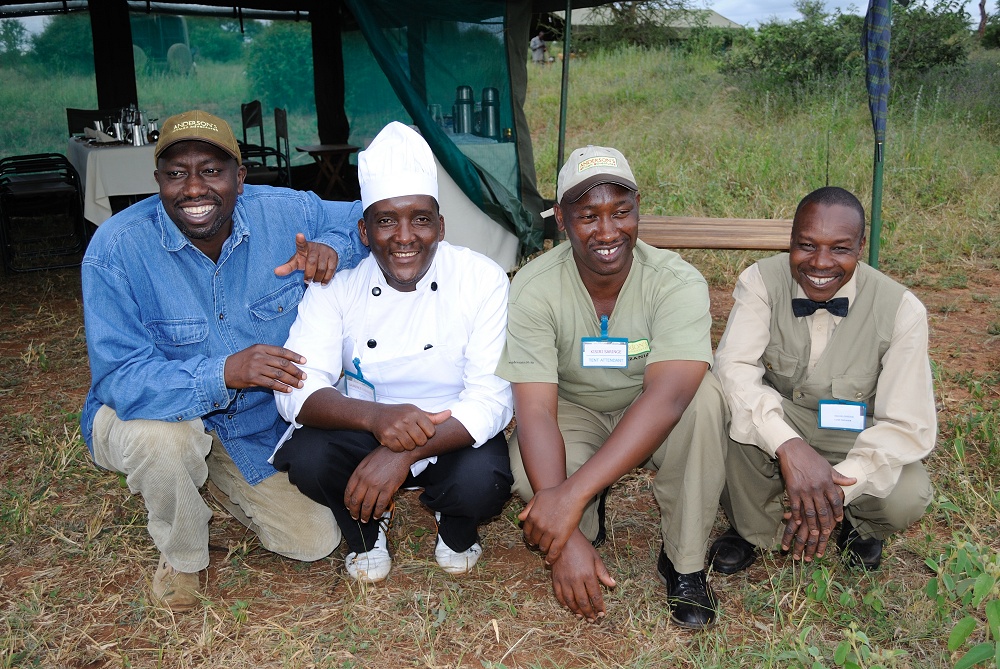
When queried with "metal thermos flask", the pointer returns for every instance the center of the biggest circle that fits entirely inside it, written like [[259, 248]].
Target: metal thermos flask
[[463, 110], [490, 123]]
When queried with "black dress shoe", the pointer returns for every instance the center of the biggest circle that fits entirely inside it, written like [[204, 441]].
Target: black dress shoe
[[859, 553], [602, 512], [731, 553], [692, 602]]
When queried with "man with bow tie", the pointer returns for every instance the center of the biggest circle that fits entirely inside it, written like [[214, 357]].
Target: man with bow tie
[[824, 365]]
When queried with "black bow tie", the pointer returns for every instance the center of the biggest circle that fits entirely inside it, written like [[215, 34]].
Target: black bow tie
[[805, 307]]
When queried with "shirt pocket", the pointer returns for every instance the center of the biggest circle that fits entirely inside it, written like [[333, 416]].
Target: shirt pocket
[[855, 388], [181, 338], [779, 363], [270, 313]]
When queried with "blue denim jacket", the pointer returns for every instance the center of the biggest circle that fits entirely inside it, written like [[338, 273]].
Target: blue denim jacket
[[161, 317]]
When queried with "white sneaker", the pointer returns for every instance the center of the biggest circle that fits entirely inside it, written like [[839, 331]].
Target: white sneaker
[[373, 566], [452, 562]]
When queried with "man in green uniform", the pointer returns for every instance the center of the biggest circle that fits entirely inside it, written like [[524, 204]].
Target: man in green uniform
[[608, 351]]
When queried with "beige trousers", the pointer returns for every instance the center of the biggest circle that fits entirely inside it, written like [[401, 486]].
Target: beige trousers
[[754, 496], [167, 463], [689, 466]]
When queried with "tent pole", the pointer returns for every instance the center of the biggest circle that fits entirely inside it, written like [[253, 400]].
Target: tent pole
[[565, 84], [876, 234]]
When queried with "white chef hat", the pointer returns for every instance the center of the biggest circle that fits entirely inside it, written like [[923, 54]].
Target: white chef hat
[[397, 162]]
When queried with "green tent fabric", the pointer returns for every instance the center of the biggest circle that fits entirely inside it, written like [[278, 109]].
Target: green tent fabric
[[423, 49]]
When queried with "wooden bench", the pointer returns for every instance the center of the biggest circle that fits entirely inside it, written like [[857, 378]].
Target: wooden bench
[[688, 232]]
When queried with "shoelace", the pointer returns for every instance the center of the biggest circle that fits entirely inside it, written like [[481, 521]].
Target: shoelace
[[692, 588]]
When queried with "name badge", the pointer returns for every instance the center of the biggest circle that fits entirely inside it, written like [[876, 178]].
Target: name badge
[[604, 351], [598, 352], [842, 415], [358, 387]]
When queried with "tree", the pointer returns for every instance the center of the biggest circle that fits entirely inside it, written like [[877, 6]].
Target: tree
[[924, 37], [649, 23], [280, 65], [216, 40], [65, 44], [13, 41]]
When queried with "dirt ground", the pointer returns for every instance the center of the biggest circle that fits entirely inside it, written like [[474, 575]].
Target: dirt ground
[[43, 374]]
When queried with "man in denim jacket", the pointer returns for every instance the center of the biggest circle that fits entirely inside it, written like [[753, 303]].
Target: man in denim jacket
[[187, 300]]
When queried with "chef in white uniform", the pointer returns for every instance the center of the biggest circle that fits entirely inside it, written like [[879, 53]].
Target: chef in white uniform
[[399, 389]]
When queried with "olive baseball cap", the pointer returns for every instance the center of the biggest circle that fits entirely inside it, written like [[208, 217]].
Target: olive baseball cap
[[199, 126], [587, 167]]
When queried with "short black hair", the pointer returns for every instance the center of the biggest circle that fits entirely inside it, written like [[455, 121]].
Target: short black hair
[[833, 195]]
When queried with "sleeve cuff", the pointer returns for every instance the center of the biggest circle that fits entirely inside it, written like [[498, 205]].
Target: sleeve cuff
[[479, 427], [852, 469], [217, 395], [773, 433]]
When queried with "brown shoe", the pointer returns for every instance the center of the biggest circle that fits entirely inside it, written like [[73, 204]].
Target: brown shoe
[[176, 590]]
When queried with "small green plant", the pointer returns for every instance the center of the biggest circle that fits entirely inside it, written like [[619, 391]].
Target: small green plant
[[968, 579], [855, 652], [240, 609]]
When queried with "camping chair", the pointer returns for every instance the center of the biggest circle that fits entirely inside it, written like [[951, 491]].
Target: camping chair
[[78, 119], [254, 155], [282, 146], [41, 213]]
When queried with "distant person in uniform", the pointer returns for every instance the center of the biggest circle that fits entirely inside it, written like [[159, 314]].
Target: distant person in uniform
[[608, 352], [400, 390], [825, 368], [538, 48]]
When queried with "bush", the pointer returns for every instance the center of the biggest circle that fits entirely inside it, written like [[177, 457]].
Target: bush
[[924, 37], [991, 38], [65, 45], [217, 40], [817, 45], [716, 40], [280, 66], [821, 45]]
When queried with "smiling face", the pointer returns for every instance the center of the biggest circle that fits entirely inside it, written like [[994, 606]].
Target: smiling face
[[199, 184], [602, 227], [826, 243], [403, 234]]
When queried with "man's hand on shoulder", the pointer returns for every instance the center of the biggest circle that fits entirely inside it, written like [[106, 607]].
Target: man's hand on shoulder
[[577, 577], [263, 366], [815, 497], [317, 261]]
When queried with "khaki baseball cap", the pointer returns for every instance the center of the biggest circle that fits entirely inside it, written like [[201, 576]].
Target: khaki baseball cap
[[588, 167], [200, 126]]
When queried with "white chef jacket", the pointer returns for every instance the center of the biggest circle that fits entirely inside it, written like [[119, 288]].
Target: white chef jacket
[[436, 347]]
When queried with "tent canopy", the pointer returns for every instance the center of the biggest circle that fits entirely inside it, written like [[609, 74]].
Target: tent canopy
[[381, 60]]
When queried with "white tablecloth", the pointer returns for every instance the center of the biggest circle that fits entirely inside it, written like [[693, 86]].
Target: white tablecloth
[[111, 170]]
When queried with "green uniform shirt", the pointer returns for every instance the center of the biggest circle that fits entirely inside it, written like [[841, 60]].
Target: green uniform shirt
[[663, 311]]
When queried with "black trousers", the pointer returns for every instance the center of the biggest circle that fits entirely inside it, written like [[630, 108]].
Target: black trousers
[[467, 486]]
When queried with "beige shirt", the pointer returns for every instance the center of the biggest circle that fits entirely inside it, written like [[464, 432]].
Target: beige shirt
[[905, 419]]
